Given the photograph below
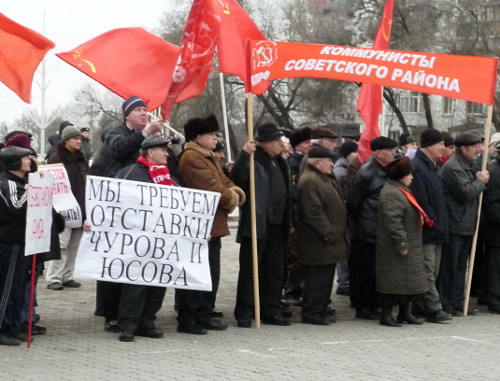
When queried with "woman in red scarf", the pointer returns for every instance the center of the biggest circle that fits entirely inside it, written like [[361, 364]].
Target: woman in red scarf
[[400, 267]]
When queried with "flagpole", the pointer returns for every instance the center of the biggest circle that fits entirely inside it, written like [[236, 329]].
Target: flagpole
[[487, 133], [253, 217], [224, 116]]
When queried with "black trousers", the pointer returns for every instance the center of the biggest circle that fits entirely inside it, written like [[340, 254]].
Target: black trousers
[[139, 306], [271, 261], [318, 284], [494, 276], [108, 296], [13, 273], [362, 274], [197, 306]]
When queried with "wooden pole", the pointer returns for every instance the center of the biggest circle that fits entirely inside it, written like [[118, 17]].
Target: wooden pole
[[487, 133], [253, 217], [224, 117]]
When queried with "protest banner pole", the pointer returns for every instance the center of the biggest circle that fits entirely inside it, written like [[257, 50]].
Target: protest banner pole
[[32, 299], [253, 217], [487, 133], [224, 116]]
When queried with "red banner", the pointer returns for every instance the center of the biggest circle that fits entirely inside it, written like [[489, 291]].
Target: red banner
[[461, 77]]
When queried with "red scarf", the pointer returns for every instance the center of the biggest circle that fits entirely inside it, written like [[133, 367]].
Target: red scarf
[[423, 215], [160, 174]]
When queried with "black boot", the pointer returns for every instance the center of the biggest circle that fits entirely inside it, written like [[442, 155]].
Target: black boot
[[405, 314], [387, 319]]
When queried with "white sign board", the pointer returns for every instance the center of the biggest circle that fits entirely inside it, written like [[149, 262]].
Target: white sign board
[[39, 213], [64, 201], [147, 234]]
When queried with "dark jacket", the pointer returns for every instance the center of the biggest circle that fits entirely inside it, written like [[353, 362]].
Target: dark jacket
[[462, 191], [86, 148], [321, 219], [135, 172], [54, 140], [362, 200], [121, 148], [399, 229], [294, 162], [428, 189], [199, 170], [77, 168], [340, 172], [263, 195], [13, 207], [491, 205]]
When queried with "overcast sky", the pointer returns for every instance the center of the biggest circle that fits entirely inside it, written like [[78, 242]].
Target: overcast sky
[[68, 23]]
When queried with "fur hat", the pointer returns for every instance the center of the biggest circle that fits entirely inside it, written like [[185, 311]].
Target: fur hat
[[70, 132], [382, 142], [406, 138], [399, 168], [300, 135], [347, 148], [19, 140], [430, 137], [131, 103], [268, 131], [323, 132], [10, 157], [318, 152], [200, 126]]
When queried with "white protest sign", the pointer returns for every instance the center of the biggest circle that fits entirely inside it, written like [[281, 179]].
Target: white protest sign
[[39, 213], [147, 234], [64, 201]]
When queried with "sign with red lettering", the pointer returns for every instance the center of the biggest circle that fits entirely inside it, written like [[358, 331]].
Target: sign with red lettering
[[148, 234], [64, 201], [39, 213], [462, 77]]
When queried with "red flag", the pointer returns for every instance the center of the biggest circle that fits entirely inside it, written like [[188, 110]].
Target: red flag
[[236, 27], [128, 61], [195, 58], [370, 96], [21, 50]]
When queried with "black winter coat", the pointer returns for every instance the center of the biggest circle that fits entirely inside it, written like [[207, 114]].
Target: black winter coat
[[121, 148], [362, 200], [428, 189], [263, 196], [491, 205]]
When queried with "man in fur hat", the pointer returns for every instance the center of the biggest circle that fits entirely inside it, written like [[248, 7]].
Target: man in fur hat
[[200, 170]]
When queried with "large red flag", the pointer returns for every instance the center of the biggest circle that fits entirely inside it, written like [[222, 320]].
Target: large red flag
[[370, 96], [236, 27], [194, 63], [21, 50], [128, 61]]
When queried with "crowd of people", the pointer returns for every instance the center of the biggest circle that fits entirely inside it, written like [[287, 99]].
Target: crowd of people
[[397, 230]]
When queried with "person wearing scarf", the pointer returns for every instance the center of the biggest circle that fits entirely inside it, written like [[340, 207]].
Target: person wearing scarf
[[400, 269], [139, 304]]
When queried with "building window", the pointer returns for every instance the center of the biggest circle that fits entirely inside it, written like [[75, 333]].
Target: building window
[[488, 14], [409, 101], [448, 105], [475, 108]]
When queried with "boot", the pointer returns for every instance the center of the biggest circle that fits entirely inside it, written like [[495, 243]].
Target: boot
[[387, 319], [405, 314]]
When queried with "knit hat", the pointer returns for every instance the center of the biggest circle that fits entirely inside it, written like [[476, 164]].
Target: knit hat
[[448, 139], [10, 157], [131, 103], [347, 148], [267, 132], [322, 132], [406, 138], [300, 135], [200, 126], [430, 137], [63, 125], [399, 168], [19, 140], [382, 142], [319, 153], [70, 132]]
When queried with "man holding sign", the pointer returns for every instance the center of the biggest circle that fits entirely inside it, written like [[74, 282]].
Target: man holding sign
[[16, 164]]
